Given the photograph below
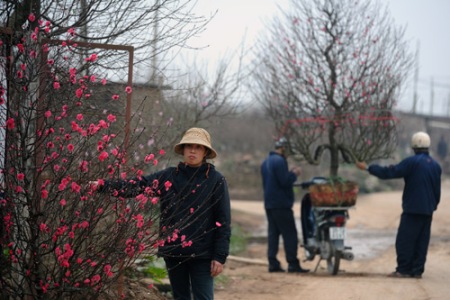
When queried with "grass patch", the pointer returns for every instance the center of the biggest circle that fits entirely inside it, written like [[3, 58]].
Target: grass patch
[[238, 242]]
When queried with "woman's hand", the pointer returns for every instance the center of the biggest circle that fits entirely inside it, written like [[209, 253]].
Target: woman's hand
[[216, 268], [93, 185]]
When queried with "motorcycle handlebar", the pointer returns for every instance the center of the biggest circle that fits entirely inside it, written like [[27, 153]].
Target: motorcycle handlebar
[[315, 180]]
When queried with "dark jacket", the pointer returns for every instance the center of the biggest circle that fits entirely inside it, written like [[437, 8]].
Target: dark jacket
[[196, 207], [277, 182], [422, 176]]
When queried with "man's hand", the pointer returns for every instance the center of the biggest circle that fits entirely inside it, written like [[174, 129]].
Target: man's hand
[[216, 268], [297, 171], [361, 165]]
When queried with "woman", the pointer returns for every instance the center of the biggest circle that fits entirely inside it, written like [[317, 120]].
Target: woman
[[194, 218]]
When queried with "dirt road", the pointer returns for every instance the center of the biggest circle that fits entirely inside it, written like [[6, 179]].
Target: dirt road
[[371, 233]]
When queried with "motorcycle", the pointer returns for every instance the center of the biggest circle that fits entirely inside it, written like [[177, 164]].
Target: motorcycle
[[324, 230]]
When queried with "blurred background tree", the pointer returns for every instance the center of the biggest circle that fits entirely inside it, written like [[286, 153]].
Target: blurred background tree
[[329, 74]]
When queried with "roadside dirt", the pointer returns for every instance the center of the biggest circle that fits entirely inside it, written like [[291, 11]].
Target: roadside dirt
[[371, 233]]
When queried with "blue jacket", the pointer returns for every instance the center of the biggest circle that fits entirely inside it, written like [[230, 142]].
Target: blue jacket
[[422, 176], [277, 182], [197, 204]]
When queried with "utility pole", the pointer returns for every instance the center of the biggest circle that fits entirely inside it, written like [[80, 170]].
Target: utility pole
[[155, 45], [416, 78], [448, 105], [432, 97], [84, 34]]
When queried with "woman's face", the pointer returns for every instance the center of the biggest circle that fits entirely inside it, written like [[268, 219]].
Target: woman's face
[[193, 154]]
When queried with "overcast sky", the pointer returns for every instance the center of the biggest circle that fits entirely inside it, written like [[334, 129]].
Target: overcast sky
[[427, 22]]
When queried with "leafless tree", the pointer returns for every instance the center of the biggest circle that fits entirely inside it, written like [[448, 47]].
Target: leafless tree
[[329, 73], [151, 27]]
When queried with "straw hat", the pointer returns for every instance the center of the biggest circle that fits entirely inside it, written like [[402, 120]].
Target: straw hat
[[196, 136]]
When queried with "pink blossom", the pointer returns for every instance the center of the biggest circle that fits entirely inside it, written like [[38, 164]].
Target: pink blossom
[[62, 186], [43, 227], [128, 90], [107, 270], [92, 78], [149, 157], [218, 224], [44, 194], [79, 117], [75, 187], [103, 124], [162, 152], [155, 162], [96, 278], [70, 147], [75, 126], [111, 118], [10, 123], [115, 97], [83, 167], [104, 155], [103, 81], [167, 185], [186, 244], [20, 176], [71, 31], [79, 92], [21, 48], [63, 202], [139, 221], [84, 224], [31, 17]]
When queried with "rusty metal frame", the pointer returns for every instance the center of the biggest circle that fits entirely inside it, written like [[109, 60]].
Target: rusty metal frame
[[130, 50]]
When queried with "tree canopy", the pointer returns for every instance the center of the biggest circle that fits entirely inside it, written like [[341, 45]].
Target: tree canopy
[[329, 74]]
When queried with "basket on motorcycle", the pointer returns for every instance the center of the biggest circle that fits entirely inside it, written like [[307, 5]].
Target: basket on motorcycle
[[334, 194]]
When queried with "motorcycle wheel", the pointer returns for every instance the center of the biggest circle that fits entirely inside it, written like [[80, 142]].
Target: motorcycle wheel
[[333, 262]]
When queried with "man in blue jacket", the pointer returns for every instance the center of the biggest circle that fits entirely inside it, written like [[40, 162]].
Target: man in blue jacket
[[421, 195], [278, 202]]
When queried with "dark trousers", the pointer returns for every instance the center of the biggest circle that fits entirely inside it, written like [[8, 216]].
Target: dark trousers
[[307, 218], [190, 277], [281, 222], [413, 238]]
